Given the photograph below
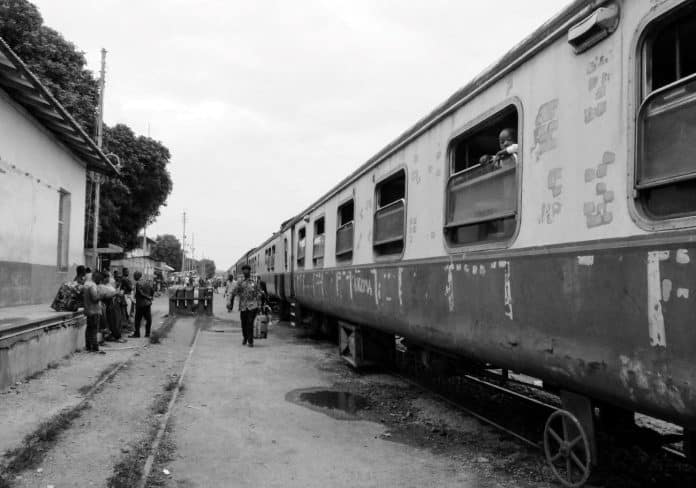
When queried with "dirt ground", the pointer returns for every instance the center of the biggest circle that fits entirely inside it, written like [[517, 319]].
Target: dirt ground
[[288, 412], [243, 420]]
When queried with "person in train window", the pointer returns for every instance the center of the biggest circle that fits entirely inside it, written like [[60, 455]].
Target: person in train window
[[250, 299], [507, 140]]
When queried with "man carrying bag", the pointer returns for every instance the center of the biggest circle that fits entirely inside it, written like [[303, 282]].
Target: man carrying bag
[[250, 298]]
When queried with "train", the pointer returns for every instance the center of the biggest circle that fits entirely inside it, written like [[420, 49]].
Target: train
[[541, 219]]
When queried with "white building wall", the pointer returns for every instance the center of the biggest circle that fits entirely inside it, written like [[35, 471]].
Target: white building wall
[[34, 167]]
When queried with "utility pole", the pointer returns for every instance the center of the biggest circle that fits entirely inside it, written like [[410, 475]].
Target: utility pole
[[193, 251], [96, 177], [183, 247]]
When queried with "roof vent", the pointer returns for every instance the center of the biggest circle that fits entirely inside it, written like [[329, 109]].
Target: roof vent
[[591, 30]]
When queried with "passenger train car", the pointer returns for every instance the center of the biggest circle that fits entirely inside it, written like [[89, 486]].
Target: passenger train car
[[570, 260]]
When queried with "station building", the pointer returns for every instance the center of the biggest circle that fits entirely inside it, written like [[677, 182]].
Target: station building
[[44, 159]]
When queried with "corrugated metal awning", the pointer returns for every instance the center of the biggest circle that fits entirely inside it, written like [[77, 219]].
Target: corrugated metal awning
[[26, 89]]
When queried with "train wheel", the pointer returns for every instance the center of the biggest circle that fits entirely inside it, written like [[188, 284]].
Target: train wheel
[[567, 449]]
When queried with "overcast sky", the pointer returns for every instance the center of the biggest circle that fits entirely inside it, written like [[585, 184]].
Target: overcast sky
[[265, 105]]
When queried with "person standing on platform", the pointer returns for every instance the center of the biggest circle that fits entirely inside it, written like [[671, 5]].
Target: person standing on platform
[[229, 289], [127, 289], [93, 293], [143, 301], [80, 275], [250, 298]]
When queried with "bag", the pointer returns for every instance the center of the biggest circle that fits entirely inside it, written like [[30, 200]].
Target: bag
[[69, 297], [261, 326]]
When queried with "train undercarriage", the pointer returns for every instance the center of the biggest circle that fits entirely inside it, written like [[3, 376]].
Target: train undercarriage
[[576, 427]]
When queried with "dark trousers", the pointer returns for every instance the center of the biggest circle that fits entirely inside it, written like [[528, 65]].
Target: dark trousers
[[91, 332], [140, 314], [247, 317]]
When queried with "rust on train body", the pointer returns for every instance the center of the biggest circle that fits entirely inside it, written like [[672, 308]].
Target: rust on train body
[[616, 325]]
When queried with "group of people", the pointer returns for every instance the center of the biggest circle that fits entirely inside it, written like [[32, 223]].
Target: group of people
[[111, 300], [251, 301]]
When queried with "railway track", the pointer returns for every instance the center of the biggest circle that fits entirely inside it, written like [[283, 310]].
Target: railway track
[[520, 410]]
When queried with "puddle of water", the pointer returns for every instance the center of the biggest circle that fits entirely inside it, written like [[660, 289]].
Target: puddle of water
[[337, 404], [336, 400]]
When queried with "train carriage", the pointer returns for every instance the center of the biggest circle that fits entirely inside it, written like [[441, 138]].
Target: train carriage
[[542, 219]]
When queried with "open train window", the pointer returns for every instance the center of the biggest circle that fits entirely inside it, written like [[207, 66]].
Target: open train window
[[301, 234], [344, 232], [666, 160], [481, 194], [285, 252], [390, 216], [318, 243]]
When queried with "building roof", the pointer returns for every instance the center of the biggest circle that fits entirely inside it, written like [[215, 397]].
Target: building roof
[[26, 89]]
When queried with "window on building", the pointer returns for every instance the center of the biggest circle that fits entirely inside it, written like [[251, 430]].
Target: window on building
[[318, 244], [301, 235], [63, 229], [666, 167], [481, 191], [390, 216], [344, 232]]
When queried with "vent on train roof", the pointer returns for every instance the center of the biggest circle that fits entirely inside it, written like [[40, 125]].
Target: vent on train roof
[[594, 28]]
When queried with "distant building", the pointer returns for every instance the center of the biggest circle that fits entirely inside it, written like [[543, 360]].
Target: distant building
[[139, 259], [44, 159]]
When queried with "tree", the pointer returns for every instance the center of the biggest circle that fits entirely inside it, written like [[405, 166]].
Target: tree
[[60, 66], [133, 200], [168, 249], [207, 267]]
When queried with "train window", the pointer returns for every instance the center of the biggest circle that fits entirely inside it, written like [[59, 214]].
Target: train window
[[273, 255], [666, 170], [301, 234], [344, 232], [482, 191], [285, 253], [390, 216], [318, 243]]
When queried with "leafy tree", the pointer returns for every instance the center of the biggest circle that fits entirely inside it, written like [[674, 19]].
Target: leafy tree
[[207, 268], [133, 200], [60, 66], [168, 249]]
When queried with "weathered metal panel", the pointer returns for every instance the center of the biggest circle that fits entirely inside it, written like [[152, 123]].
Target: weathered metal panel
[[614, 324]]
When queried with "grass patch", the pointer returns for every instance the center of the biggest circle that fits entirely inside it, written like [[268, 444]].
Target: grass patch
[[40, 373], [129, 469], [162, 331], [83, 390], [35, 376], [165, 455], [36, 444]]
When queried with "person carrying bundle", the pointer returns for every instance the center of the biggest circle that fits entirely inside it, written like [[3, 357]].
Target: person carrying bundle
[[250, 299]]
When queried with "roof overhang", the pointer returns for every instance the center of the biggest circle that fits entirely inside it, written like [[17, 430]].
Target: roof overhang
[[26, 90]]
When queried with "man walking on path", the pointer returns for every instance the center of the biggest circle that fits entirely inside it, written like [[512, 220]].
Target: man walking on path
[[143, 301], [250, 296], [93, 293]]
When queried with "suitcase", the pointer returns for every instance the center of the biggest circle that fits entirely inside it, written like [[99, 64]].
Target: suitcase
[[261, 326]]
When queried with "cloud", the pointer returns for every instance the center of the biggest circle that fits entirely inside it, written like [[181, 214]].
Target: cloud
[[265, 105]]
